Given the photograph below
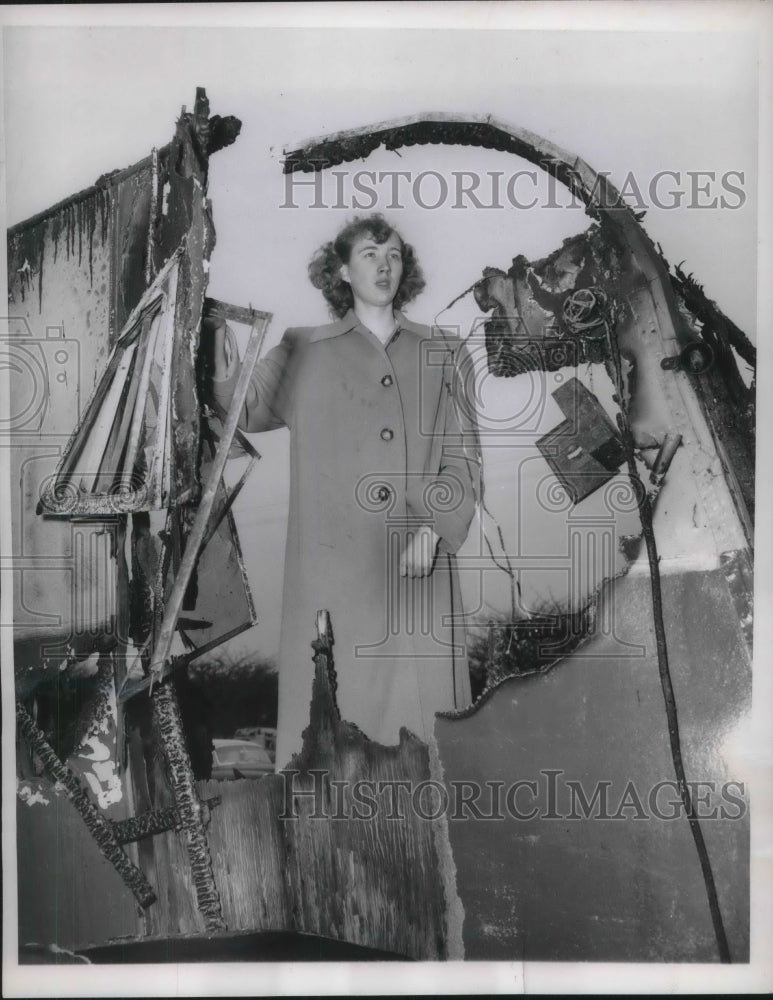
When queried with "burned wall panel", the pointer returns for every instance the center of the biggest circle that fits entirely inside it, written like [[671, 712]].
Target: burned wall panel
[[58, 340]]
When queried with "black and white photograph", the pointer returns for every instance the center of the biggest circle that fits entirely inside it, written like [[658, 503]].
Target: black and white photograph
[[381, 428]]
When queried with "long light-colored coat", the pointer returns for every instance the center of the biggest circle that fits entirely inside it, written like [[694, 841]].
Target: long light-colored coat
[[382, 438]]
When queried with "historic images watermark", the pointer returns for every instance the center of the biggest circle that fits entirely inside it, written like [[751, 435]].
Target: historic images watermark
[[368, 190], [549, 795]]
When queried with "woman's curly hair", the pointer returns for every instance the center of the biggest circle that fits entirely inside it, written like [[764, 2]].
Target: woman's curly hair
[[325, 265]]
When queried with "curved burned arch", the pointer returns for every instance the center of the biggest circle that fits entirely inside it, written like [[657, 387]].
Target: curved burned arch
[[435, 128], [602, 199], [600, 196]]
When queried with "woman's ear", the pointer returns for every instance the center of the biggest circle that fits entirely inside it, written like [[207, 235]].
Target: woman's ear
[[344, 272]]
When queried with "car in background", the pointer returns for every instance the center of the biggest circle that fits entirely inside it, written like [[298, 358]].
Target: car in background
[[240, 759], [264, 736]]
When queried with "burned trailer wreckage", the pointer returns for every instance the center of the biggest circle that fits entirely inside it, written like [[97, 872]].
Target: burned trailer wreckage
[[106, 292], [651, 692]]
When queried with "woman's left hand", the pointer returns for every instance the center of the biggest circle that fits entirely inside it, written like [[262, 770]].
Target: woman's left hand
[[418, 556]]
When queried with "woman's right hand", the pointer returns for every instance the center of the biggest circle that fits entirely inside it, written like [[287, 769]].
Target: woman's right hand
[[214, 347]]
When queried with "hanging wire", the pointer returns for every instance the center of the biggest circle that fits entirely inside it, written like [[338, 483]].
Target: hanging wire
[[479, 495], [458, 298], [646, 516], [479, 499]]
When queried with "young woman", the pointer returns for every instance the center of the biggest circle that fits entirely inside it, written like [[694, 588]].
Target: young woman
[[384, 462]]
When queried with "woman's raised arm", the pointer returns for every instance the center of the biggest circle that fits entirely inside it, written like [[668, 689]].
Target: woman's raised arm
[[267, 404]]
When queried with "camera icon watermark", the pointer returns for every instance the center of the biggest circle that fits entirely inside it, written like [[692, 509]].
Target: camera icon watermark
[[43, 375]]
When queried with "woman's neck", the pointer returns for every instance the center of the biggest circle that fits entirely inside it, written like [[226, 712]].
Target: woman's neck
[[380, 320]]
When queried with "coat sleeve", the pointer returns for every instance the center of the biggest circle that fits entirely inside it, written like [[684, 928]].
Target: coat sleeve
[[451, 491], [268, 402]]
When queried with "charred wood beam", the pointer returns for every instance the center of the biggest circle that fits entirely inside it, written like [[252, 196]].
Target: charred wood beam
[[156, 821], [145, 825], [429, 128], [166, 713]]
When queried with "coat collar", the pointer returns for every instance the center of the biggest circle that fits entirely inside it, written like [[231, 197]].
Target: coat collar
[[351, 322]]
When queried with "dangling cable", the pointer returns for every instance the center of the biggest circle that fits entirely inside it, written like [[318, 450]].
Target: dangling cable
[[645, 514], [479, 494], [515, 586], [458, 298]]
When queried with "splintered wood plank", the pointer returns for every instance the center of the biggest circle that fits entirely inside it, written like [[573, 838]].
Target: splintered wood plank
[[91, 459], [113, 471], [159, 446], [287, 854], [246, 846], [370, 880]]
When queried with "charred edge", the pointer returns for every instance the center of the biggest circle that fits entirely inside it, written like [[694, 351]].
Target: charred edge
[[578, 628], [738, 570], [102, 185], [68, 221], [326, 678], [707, 311], [343, 149], [493, 686]]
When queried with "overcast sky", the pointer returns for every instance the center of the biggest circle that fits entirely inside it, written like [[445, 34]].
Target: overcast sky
[[80, 102]]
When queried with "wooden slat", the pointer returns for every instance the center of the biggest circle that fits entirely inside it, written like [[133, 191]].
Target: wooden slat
[[226, 310], [138, 417], [110, 465]]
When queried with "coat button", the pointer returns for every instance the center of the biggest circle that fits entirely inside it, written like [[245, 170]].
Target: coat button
[[386, 380], [387, 434]]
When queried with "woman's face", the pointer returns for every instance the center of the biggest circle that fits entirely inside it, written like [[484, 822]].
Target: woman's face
[[374, 269]]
